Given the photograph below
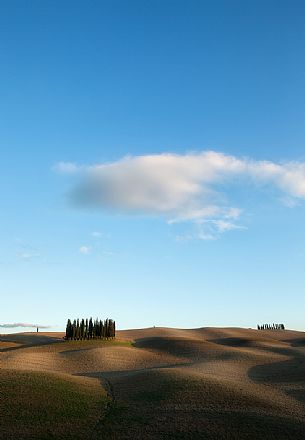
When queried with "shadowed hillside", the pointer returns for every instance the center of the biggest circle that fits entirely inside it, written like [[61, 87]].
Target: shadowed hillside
[[158, 383]]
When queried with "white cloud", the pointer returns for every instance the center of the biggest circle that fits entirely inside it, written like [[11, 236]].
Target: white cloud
[[28, 255], [97, 234], [66, 168], [192, 187], [223, 226], [85, 250], [108, 253], [290, 202], [209, 229], [26, 251]]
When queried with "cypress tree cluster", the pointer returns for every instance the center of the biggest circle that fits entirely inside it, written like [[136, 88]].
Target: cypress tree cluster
[[271, 327], [89, 329]]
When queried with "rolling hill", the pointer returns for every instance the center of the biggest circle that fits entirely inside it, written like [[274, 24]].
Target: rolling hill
[[154, 383]]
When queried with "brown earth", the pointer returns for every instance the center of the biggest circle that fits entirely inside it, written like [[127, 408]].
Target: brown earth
[[208, 383]]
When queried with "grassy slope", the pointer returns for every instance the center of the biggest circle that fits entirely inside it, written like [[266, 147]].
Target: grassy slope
[[47, 406]]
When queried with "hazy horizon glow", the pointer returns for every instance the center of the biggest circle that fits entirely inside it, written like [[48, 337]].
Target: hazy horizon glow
[[153, 163]]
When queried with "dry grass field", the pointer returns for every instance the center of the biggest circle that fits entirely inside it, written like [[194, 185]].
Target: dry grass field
[[156, 383]]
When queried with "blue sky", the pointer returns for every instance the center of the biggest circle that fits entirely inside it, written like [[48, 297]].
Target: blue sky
[[152, 162]]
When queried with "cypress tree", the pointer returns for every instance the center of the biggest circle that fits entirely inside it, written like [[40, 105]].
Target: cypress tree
[[107, 328], [82, 329], [96, 328], [77, 329], [68, 329], [86, 330], [74, 330], [101, 329], [111, 328], [90, 328]]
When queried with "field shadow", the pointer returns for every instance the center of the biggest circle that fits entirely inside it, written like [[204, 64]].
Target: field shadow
[[26, 341], [272, 346], [299, 342], [283, 372], [190, 349], [233, 342], [150, 408], [288, 375], [298, 394]]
